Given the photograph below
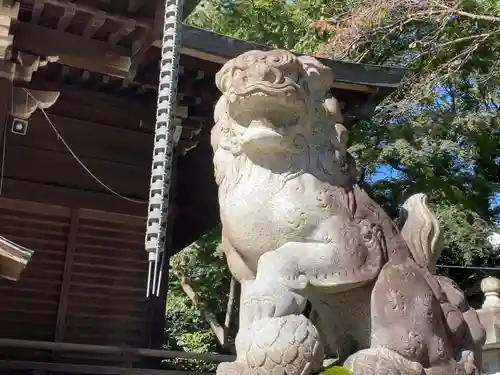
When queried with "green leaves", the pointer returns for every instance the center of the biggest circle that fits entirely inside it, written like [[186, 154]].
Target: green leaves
[[337, 370], [279, 23]]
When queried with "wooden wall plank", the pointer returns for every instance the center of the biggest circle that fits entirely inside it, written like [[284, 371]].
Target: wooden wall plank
[[48, 167], [29, 306], [85, 284], [110, 268], [60, 195], [66, 278], [88, 140]]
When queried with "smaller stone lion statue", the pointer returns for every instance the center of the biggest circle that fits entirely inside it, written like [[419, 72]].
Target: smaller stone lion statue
[[298, 230]]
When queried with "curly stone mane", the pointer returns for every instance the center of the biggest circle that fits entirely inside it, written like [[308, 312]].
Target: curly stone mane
[[318, 133]]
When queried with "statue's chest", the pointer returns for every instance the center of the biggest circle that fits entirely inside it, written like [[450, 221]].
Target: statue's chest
[[262, 215]]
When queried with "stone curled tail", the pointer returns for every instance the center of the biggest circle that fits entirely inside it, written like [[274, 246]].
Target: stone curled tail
[[421, 232]]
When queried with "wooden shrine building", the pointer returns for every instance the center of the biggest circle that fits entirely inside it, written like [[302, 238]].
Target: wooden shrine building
[[73, 184]]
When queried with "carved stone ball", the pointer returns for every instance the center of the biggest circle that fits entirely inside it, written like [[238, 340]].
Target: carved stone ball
[[490, 285], [285, 345]]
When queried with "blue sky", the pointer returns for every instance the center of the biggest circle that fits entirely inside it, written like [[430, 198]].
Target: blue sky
[[384, 172]]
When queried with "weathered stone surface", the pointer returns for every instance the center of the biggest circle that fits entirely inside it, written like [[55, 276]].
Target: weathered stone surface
[[298, 228], [489, 314]]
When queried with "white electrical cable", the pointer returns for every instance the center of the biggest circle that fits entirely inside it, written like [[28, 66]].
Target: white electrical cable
[[70, 150], [159, 194]]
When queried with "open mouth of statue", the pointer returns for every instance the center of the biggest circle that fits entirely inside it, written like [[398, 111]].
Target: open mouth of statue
[[282, 109]]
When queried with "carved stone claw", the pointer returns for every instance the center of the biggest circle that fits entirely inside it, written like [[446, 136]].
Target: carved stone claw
[[270, 300], [382, 361]]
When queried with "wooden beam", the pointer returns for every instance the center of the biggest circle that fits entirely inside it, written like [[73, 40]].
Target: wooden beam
[[37, 165], [189, 6], [135, 5], [125, 28], [7, 70], [95, 24], [69, 13], [73, 50], [218, 48], [207, 45], [37, 10], [128, 110], [66, 279], [87, 369], [112, 350], [51, 194], [139, 49], [144, 23]]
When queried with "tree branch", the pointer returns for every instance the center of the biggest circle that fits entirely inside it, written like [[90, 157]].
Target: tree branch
[[473, 16], [209, 316], [230, 309], [230, 303]]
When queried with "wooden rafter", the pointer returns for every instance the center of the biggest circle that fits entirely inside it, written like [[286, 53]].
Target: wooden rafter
[[92, 55], [97, 21], [134, 5], [69, 13], [143, 23], [126, 28], [37, 10]]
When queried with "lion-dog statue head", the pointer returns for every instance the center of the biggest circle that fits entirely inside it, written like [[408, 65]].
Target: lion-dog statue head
[[273, 103]]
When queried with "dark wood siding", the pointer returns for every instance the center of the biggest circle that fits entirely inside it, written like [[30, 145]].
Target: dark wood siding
[[85, 284], [29, 307], [106, 303]]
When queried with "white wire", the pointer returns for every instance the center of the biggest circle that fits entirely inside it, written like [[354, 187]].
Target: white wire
[[78, 159]]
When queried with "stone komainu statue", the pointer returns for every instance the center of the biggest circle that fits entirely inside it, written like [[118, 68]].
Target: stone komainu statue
[[298, 228]]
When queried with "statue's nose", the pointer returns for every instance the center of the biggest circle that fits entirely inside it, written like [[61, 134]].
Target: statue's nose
[[262, 72]]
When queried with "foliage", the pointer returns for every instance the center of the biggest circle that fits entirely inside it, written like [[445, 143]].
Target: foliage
[[336, 370], [278, 23], [440, 133], [186, 327]]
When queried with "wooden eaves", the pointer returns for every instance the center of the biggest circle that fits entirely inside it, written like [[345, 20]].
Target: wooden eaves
[[112, 58]]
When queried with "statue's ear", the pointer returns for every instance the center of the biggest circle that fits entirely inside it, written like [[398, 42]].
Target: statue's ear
[[224, 75], [216, 132], [319, 77]]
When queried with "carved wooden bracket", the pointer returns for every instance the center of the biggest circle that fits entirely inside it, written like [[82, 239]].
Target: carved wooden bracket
[[7, 14], [23, 104], [27, 64]]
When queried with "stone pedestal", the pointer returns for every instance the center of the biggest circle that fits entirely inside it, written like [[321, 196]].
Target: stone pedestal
[[489, 315]]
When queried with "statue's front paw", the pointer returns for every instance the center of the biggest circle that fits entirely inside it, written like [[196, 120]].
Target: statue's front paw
[[382, 361], [265, 300], [258, 306]]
